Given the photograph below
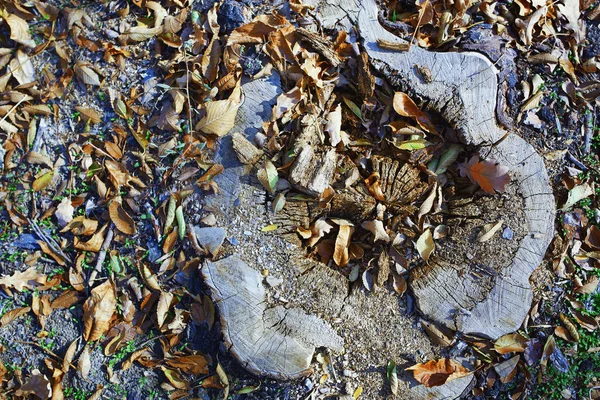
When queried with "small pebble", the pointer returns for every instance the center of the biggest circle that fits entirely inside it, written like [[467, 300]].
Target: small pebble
[[308, 384], [234, 241], [247, 233], [349, 373], [209, 220], [507, 234]]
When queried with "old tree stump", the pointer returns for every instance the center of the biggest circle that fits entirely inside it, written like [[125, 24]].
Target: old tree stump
[[273, 324]]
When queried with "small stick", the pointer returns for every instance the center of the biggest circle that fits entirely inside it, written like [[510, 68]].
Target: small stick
[[49, 240], [102, 255], [588, 130], [153, 219]]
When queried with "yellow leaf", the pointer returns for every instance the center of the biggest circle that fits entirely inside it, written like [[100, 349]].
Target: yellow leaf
[[269, 228], [42, 181], [357, 392]]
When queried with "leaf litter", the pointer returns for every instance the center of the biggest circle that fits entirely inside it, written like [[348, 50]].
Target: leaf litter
[[107, 176]]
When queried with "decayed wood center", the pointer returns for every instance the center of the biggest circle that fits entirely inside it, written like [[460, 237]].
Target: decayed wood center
[[463, 91]]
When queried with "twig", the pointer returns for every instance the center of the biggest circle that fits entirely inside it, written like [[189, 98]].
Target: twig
[[102, 255], [13, 109], [588, 130], [575, 161], [153, 219], [54, 246]]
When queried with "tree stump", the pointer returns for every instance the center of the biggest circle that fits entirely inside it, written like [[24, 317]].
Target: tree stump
[[486, 300]]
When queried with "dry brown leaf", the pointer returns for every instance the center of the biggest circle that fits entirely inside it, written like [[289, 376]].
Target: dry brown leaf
[[334, 125], [69, 356], [404, 106], [437, 373], [175, 378], [220, 114], [98, 311], [257, 30], [589, 287], [89, 115], [81, 225], [13, 314], [28, 279], [22, 68], [342, 242], [487, 174], [192, 364], [163, 307], [87, 75], [84, 365], [37, 384], [511, 343], [425, 245], [19, 30], [508, 369], [120, 218], [377, 229], [95, 242], [64, 212]]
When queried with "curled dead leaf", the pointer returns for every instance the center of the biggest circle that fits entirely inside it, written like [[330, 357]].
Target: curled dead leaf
[[436, 373], [98, 311]]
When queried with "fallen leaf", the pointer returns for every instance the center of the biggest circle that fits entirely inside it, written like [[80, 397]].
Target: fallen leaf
[[268, 176], [19, 30], [507, 370], [120, 218], [69, 356], [342, 242], [488, 231], [220, 115], [98, 311], [28, 279], [511, 343], [404, 106], [84, 365], [377, 229], [392, 376], [13, 314], [437, 373], [425, 245], [37, 384], [87, 75], [22, 68], [64, 212], [334, 125], [487, 174], [191, 364], [43, 181], [577, 194], [163, 307]]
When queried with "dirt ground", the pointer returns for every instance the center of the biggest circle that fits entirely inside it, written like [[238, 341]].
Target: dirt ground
[[147, 75]]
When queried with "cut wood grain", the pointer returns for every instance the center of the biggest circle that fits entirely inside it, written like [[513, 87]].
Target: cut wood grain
[[275, 342], [463, 91]]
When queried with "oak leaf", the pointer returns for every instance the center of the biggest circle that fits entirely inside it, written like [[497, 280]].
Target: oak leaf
[[120, 218], [489, 175], [27, 279]]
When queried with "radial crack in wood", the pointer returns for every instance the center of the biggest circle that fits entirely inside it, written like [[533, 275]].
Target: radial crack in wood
[[275, 342], [463, 91]]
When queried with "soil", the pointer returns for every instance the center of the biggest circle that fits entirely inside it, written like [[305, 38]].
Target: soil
[[396, 320]]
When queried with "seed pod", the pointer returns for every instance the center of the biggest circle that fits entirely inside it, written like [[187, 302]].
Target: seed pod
[[180, 222], [170, 213]]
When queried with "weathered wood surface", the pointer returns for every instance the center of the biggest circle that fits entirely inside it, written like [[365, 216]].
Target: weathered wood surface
[[463, 90], [272, 341]]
